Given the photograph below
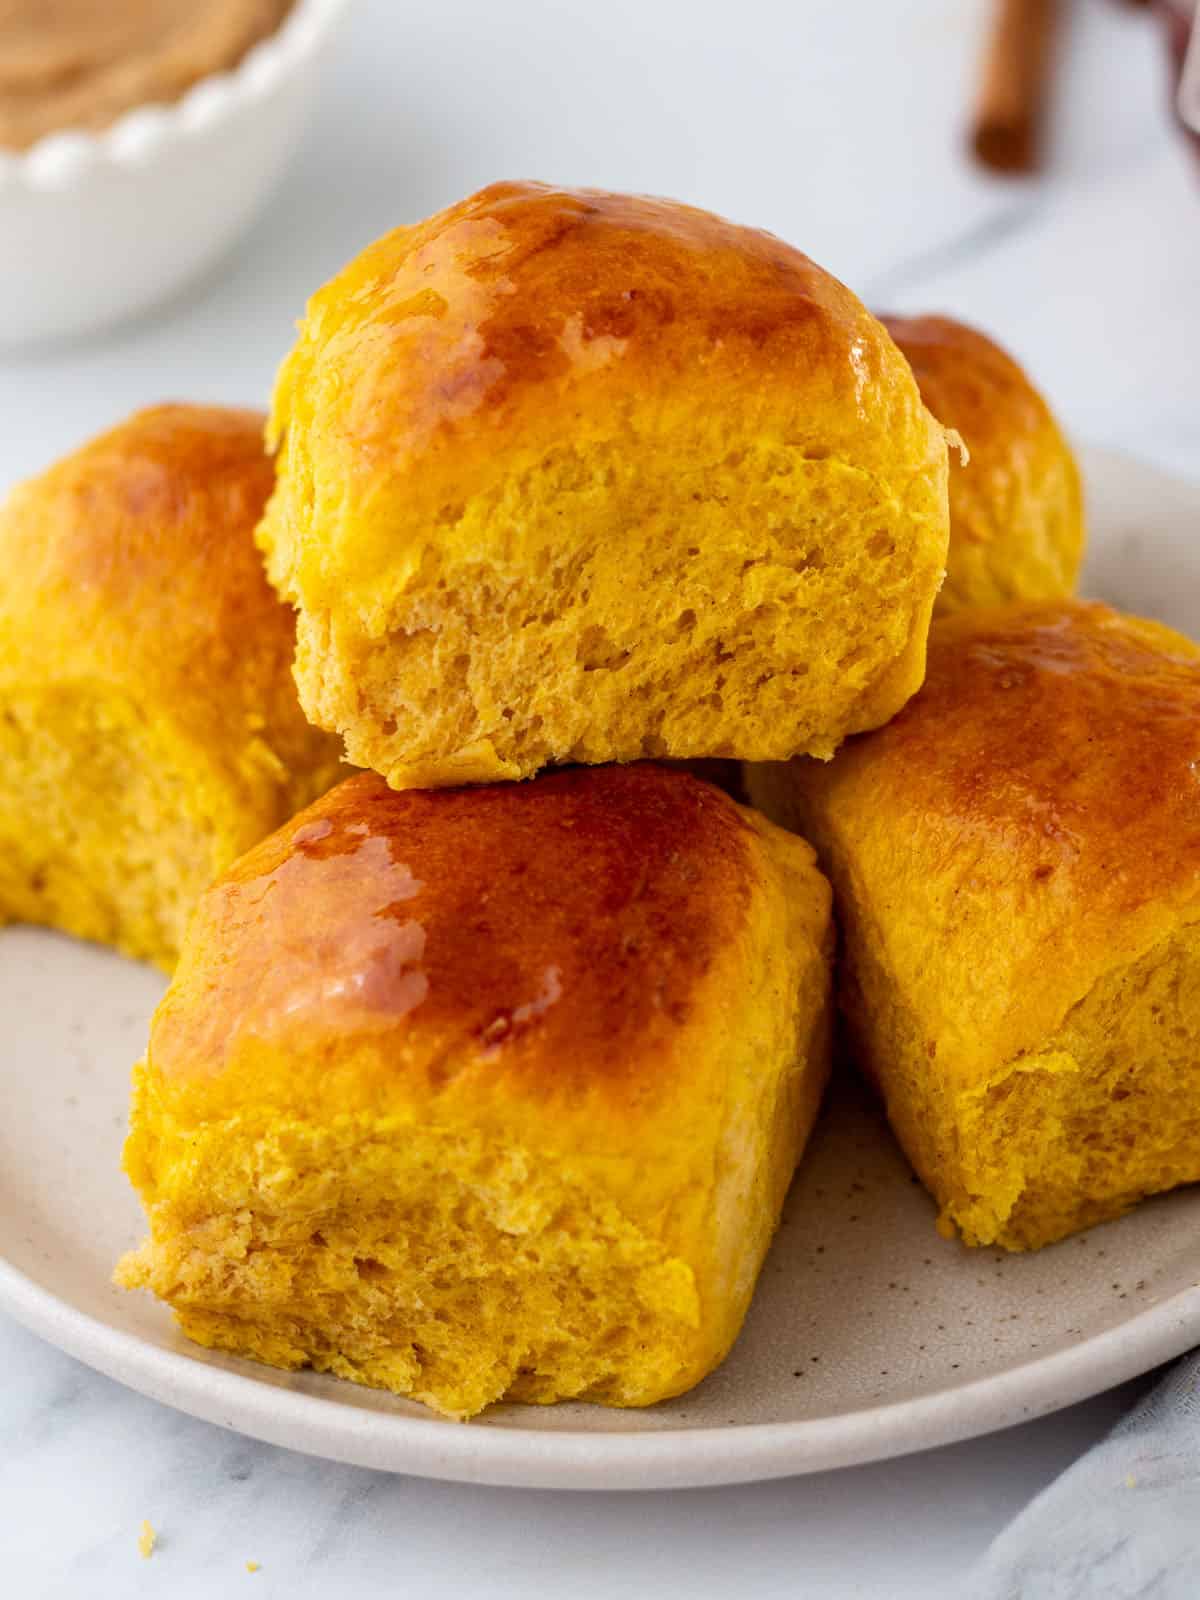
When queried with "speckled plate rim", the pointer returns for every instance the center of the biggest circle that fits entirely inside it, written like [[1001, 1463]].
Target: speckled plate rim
[[675, 1458], [581, 1458]]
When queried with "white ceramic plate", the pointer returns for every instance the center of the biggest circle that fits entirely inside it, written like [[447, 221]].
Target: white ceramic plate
[[869, 1336]]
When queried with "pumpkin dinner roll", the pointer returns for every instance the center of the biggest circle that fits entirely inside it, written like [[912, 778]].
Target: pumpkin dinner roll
[[1016, 505], [569, 476], [1016, 860], [149, 725], [488, 1092]]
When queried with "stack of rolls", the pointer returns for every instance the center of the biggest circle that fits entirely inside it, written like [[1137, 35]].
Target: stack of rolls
[[484, 1075]]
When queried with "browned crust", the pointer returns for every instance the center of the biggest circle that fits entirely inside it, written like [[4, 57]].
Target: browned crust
[[973, 385], [131, 562], [554, 931], [1069, 736], [501, 302], [1028, 822]]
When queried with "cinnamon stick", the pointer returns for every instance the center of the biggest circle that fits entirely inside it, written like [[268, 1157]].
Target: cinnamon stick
[[1007, 126]]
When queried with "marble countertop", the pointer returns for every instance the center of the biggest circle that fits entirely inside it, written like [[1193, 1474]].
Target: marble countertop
[[839, 127]]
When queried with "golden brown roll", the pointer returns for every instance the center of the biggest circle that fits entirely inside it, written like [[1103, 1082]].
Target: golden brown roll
[[1016, 862], [149, 726], [568, 476], [487, 1092], [1016, 506]]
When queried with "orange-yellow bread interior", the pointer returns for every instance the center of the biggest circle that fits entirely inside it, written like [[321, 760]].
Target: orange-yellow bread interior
[[488, 1093]]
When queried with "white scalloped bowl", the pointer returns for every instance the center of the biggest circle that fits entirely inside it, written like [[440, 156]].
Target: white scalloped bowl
[[95, 228]]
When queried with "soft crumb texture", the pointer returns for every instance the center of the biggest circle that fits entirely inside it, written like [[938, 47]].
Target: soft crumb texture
[[1016, 505], [147, 1539], [487, 1093], [568, 476], [1016, 860], [149, 725]]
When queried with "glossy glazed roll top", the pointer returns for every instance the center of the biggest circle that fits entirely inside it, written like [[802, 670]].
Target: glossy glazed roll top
[[534, 938], [1050, 771]]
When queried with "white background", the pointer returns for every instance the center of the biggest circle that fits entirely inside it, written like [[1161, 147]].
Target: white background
[[839, 126]]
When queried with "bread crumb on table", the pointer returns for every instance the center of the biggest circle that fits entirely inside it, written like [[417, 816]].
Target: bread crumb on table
[[147, 1539]]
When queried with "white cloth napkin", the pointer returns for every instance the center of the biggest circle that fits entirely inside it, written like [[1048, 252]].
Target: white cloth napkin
[[1123, 1523]]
